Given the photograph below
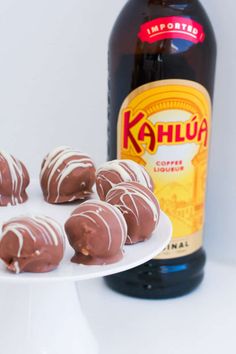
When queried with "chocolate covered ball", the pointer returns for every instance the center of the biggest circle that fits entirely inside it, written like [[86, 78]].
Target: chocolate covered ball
[[32, 244], [97, 231], [14, 179], [140, 209], [117, 171], [67, 175]]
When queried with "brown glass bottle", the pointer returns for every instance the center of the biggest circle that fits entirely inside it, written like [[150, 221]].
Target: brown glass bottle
[[143, 52]]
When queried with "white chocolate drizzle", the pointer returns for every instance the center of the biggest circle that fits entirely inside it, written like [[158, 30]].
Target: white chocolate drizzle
[[128, 170], [133, 193], [17, 267], [99, 208], [16, 177], [35, 227], [61, 162]]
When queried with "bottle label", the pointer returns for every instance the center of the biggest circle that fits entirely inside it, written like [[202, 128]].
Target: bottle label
[[165, 126], [171, 27]]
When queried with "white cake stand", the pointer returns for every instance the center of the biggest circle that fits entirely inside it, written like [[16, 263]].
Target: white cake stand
[[41, 313]]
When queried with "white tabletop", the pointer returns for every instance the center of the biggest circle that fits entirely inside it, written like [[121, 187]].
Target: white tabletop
[[203, 322]]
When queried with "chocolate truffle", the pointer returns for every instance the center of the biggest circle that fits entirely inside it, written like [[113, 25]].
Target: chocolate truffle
[[97, 231], [117, 171], [32, 244], [14, 179], [67, 175], [140, 209]]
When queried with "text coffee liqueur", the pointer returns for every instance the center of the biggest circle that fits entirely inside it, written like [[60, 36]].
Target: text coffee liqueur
[[161, 67]]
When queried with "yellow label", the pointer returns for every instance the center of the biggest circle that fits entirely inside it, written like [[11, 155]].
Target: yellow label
[[165, 126]]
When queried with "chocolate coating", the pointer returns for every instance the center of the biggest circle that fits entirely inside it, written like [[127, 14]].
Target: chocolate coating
[[97, 231], [32, 244], [67, 175], [140, 209], [117, 171], [14, 179]]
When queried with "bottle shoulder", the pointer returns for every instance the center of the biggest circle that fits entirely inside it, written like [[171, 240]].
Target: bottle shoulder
[[124, 36]]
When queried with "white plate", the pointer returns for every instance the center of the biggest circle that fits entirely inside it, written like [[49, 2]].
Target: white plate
[[134, 255]]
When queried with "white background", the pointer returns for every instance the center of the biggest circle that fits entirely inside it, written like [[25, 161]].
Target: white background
[[53, 88], [53, 73]]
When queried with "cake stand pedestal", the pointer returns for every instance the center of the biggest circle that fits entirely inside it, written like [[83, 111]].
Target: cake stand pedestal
[[43, 319], [41, 313]]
